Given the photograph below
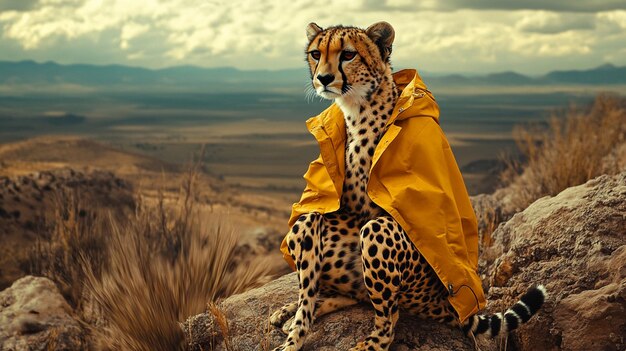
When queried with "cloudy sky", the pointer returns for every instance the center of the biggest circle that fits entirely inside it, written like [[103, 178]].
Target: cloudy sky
[[532, 36]]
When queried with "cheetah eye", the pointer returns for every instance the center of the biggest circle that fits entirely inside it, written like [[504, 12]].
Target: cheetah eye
[[315, 54], [347, 55]]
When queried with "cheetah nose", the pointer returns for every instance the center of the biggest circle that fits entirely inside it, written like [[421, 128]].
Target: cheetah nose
[[326, 79]]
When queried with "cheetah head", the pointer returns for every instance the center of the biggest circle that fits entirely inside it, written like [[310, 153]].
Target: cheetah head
[[348, 62]]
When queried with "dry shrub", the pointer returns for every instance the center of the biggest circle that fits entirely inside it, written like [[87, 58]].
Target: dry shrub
[[490, 221], [165, 265], [70, 233], [573, 149]]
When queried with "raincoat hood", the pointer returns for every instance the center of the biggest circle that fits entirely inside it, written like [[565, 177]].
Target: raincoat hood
[[414, 177]]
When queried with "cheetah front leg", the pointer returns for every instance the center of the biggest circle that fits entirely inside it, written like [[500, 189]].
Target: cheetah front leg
[[305, 245], [382, 280]]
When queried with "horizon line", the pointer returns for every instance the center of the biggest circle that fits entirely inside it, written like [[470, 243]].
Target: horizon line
[[426, 72]]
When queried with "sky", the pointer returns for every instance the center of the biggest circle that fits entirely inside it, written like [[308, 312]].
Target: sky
[[472, 36]]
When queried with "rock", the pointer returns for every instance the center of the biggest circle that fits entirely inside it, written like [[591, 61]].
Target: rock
[[248, 313], [34, 316], [599, 314], [492, 210], [575, 244]]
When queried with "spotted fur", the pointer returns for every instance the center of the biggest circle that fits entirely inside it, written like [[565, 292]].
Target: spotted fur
[[360, 253]]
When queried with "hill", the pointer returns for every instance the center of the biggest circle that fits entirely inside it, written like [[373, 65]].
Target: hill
[[54, 152], [228, 78], [605, 74], [30, 72]]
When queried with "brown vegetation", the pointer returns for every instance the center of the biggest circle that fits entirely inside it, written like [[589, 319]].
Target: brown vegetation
[[133, 277], [71, 235], [578, 145]]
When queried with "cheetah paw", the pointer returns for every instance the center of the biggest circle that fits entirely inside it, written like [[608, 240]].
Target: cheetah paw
[[281, 316], [287, 326], [284, 327], [286, 348], [366, 345], [359, 347]]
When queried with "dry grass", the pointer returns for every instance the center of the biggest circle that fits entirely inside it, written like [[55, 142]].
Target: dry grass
[[72, 232], [574, 148], [263, 333], [222, 323], [165, 265], [133, 276], [490, 221]]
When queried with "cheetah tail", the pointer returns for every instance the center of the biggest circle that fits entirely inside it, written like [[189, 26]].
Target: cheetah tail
[[519, 313]]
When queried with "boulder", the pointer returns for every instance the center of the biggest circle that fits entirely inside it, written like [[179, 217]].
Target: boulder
[[34, 316], [247, 315], [575, 244]]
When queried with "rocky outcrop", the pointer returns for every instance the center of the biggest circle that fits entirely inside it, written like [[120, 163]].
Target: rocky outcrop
[[34, 316], [247, 316], [575, 244]]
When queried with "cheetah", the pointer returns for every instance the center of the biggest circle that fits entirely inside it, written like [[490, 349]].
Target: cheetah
[[361, 252]]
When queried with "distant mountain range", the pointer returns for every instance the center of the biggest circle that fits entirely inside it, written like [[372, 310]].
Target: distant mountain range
[[607, 74], [30, 72], [228, 79]]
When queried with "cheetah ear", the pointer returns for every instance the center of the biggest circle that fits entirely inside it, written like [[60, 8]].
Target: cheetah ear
[[382, 34], [312, 30]]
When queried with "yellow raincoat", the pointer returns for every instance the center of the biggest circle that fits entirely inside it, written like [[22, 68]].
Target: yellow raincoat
[[415, 178]]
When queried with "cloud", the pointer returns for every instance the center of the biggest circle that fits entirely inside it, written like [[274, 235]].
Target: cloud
[[17, 5], [453, 5], [131, 31], [551, 23], [557, 5], [251, 34]]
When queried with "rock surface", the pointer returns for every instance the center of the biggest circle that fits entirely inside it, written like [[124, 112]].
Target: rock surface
[[575, 244], [248, 313], [34, 316]]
